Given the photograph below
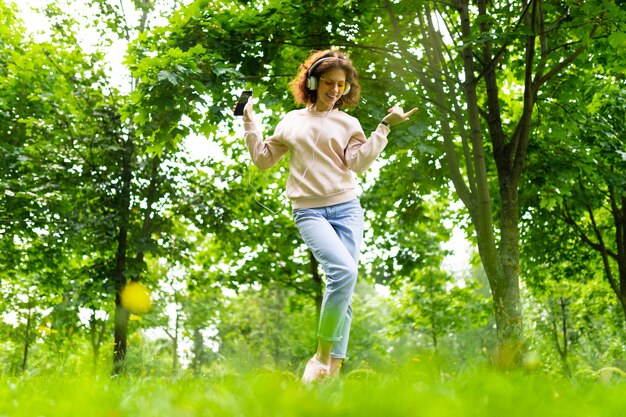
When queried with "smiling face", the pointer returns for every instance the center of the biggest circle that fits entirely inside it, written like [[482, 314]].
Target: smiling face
[[329, 89]]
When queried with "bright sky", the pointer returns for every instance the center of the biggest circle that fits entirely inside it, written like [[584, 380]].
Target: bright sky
[[38, 26]]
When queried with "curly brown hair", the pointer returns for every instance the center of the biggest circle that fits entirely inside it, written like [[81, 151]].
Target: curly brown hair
[[303, 95]]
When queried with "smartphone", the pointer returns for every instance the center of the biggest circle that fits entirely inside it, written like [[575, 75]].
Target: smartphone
[[241, 103]]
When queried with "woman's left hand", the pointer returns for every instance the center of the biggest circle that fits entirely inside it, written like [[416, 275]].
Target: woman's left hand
[[397, 116]]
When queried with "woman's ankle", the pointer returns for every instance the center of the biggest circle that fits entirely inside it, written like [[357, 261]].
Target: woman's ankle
[[335, 366], [325, 359], [323, 352]]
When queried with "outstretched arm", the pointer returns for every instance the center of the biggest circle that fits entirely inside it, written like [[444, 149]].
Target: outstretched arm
[[264, 153], [361, 153]]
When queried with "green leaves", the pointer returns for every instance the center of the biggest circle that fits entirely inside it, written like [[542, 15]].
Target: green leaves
[[617, 39]]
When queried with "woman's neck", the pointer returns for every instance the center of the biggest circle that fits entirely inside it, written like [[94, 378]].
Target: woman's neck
[[321, 108]]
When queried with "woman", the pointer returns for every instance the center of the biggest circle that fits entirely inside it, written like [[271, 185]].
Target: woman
[[325, 145]]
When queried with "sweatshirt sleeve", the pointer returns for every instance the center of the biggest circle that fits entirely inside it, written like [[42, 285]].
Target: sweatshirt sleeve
[[360, 152], [265, 153]]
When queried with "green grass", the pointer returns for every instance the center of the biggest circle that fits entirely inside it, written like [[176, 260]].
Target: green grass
[[412, 391]]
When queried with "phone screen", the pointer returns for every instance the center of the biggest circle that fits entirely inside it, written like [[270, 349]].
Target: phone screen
[[241, 103]]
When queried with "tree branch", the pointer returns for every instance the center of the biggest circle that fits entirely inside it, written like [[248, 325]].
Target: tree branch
[[435, 56], [569, 219], [484, 219], [540, 80], [496, 58], [519, 141], [555, 336], [604, 252], [598, 247], [494, 120], [619, 222]]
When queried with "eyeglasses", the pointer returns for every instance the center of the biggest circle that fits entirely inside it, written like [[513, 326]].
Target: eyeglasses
[[341, 85]]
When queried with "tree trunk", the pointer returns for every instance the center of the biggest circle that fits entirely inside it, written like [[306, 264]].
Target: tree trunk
[[618, 209], [175, 343], [120, 335], [198, 351], [97, 329], [565, 350], [120, 332], [121, 315], [505, 285], [278, 324], [29, 320], [501, 262], [433, 315]]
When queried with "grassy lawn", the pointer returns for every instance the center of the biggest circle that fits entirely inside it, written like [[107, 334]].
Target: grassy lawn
[[407, 392]]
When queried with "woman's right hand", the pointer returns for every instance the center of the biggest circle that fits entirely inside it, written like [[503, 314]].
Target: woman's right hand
[[248, 111]]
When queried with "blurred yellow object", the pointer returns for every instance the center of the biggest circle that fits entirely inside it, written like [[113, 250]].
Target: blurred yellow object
[[47, 330], [136, 298]]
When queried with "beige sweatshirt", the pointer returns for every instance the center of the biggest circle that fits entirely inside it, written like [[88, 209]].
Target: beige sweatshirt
[[324, 148]]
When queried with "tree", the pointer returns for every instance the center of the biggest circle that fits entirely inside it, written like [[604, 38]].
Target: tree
[[54, 122], [144, 183], [575, 208], [481, 123], [80, 184]]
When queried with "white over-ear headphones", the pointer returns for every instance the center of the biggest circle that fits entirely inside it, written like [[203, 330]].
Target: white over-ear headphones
[[311, 81]]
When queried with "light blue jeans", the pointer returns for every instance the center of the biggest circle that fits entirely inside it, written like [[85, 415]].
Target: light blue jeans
[[334, 234]]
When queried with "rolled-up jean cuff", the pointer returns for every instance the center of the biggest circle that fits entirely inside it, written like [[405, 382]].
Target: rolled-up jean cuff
[[329, 338]]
